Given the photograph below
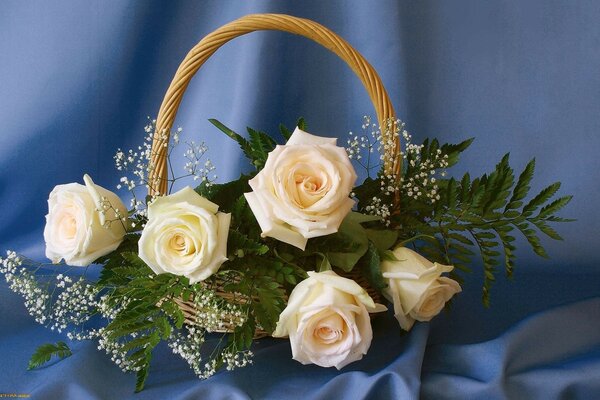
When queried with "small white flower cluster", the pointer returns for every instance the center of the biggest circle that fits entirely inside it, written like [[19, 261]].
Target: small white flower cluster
[[104, 309], [84, 334], [194, 167], [361, 146], [74, 305], [215, 314], [237, 359], [137, 164], [378, 207], [10, 265], [187, 345], [24, 283], [112, 347], [115, 350], [188, 342], [104, 205], [108, 311], [421, 182], [383, 140], [136, 161]]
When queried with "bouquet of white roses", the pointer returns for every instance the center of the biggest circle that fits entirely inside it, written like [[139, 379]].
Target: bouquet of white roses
[[294, 249]]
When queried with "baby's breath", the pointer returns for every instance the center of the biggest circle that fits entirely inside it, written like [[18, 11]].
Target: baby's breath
[[419, 180], [115, 350], [136, 164], [361, 147], [74, 305], [24, 283], [187, 343], [216, 314], [69, 303], [378, 142], [195, 167]]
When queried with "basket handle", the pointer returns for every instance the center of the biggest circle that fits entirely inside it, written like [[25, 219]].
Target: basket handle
[[158, 174]]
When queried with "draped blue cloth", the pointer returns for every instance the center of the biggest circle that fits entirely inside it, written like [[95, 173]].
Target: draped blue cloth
[[77, 80]]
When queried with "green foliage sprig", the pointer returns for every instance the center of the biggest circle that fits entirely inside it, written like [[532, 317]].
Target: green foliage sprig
[[44, 353], [475, 217]]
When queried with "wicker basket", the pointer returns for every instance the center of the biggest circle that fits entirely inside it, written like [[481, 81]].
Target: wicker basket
[[250, 23]]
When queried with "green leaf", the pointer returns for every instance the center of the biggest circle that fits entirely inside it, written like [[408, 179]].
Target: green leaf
[[141, 376], [366, 191], [136, 261], [461, 238], [547, 230], [453, 150], [351, 228], [541, 198], [285, 132], [256, 149], [382, 239], [554, 207], [498, 186], [269, 305], [244, 144], [44, 353], [388, 255], [261, 145], [414, 238], [533, 240], [240, 245], [136, 344], [488, 208], [301, 124], [522, 188], [450, 194], [370, 263], [244, 335], [323, 263], [225, 195]]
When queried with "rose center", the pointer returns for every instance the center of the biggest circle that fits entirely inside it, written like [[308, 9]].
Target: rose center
[[432, 305], [181, 244], [330, 330], [309, 183], [310, 187], [68, 227]]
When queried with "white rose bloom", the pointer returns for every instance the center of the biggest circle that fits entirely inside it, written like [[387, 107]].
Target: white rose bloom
[[302, 191], [75, 230], [416, 287], [185, 235], [327, 320]]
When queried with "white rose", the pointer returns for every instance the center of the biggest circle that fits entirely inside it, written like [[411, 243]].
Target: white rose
[[185, 235], [302, 191], [76, 230], [327, 320], [416, 287]]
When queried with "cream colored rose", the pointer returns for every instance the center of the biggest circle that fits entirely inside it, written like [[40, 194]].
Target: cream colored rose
[[185, 235], [302, 192], [327, 320], [76, 230], [416, 287]]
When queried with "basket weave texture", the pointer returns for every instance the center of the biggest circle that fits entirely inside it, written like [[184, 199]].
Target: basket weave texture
[[198, 55]]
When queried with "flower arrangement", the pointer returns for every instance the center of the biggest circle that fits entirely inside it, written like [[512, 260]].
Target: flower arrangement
[[294, 249]]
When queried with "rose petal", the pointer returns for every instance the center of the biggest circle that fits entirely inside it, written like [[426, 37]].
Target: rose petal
[[269, 225], [301, 137]]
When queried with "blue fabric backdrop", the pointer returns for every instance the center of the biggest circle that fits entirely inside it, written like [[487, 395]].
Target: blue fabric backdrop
[[77, 80]]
